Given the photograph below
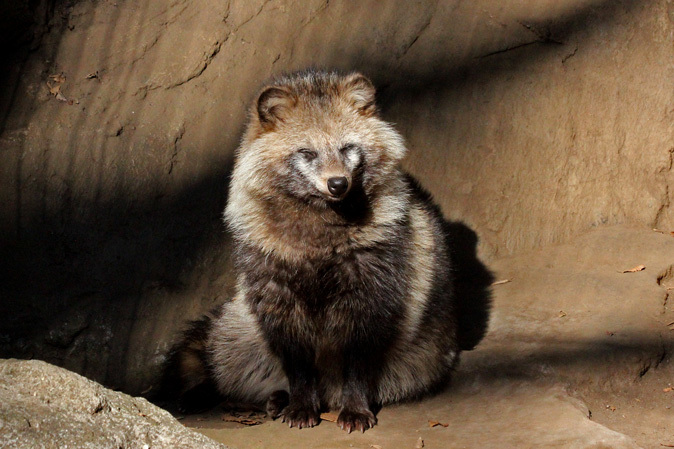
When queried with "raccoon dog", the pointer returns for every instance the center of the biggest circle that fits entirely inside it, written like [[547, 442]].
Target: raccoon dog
[[344, 296]]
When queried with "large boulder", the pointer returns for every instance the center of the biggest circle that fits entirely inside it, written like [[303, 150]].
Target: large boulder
[[43, 406]]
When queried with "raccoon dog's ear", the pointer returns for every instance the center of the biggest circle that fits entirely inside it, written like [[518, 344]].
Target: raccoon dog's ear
[[360, 91], [272, 105]]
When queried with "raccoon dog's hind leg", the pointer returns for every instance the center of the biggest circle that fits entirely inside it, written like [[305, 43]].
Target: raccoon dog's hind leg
[[242, 365], [223, 356]]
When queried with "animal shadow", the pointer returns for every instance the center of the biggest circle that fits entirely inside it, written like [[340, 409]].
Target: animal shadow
[[472, 281]]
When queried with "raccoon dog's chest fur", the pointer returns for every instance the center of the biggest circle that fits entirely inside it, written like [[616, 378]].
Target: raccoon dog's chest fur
[[334, 299], [344, 295]]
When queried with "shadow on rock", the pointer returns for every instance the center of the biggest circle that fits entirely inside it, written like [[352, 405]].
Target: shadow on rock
[[619, 359]]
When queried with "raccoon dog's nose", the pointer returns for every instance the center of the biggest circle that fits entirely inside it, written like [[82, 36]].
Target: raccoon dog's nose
[[338, 185]]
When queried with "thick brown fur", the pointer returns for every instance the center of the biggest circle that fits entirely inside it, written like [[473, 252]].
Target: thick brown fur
[[345, 295]]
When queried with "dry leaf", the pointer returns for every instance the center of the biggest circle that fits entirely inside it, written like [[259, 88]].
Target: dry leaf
[[55, 89], [611, 407], [420, 444], [241, 420], [59, 78], [562, 314], [375, 446], [635, 269], [666, 445], [61, 97], [436, 423], [331, 417], [92, 75], [668, 389], [504, 281]]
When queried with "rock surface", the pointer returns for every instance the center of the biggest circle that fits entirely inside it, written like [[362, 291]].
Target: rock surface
[[43, 406]]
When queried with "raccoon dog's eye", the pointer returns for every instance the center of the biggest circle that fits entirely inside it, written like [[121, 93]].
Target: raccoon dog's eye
[[346, 148], [308, 154]]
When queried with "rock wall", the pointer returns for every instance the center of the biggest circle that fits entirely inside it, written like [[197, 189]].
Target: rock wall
[[531, 121]]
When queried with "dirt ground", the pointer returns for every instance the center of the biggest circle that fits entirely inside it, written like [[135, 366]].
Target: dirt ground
[[579, 355]]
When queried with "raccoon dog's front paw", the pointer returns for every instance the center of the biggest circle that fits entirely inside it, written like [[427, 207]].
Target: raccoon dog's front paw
[[301, 415], [276, 403], [358, 419]]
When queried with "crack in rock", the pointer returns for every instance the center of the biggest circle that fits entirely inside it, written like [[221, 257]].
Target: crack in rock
[[570, 55], [174, 19], [146, 48], [507, 49], [211, 54], [176, 148], [217, 46], [163, 26], [314, 14], [301, 29], [665, 204], [215, 49], [419, 32], [666, 280], [542, 37], [201, 66], [259, 11]]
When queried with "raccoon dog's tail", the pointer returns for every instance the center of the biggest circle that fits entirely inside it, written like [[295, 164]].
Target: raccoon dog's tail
[[187, 373]]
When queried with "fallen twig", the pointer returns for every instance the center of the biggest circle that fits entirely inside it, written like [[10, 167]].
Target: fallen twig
[[504, 281]]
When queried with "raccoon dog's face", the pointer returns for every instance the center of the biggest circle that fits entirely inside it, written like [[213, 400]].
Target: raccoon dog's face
[[317, 137], [323, 173]]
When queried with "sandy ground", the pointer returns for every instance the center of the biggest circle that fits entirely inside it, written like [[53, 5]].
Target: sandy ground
[[578, 355]]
